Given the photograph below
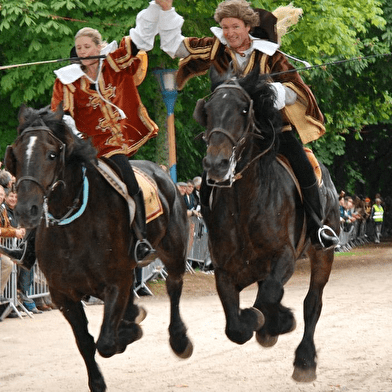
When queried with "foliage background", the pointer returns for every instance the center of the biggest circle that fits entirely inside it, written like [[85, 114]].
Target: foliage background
[[355, 96]]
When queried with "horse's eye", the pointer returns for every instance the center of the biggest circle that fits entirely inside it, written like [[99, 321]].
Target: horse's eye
[[244, 111], [52, 156]]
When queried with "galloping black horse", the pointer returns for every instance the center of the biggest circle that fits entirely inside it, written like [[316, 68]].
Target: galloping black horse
[[86, 249], [256, 220]]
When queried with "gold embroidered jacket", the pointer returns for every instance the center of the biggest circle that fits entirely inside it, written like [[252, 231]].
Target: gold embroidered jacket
[[305, 114], [101, 121]]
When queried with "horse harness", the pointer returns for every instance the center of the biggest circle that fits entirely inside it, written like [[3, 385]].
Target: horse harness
[[251, 126], [69, 216], [249, 131]]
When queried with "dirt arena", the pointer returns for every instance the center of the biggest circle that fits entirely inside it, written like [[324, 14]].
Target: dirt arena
[[353, 339]]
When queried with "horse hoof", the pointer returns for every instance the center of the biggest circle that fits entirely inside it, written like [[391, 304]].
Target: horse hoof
[[304, 375], [260, 318], [141, 316], [187, 352], [266, 340]]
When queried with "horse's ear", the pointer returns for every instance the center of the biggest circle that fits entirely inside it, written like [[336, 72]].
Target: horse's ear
[[59, 113], [199, 114], [218, 77], [23, 113], [69, 139], [10, 160]]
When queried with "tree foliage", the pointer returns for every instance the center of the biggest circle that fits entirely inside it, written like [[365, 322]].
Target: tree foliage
[[354, 96]]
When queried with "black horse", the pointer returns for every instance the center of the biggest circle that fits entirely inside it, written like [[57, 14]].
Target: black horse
[[256, 219], [84, 248]]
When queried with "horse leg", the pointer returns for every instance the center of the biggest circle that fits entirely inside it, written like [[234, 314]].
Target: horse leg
[[305, 355], [179, 341], [278, 318], [240, 323], [134, 314], [116, 332], [75, 315]]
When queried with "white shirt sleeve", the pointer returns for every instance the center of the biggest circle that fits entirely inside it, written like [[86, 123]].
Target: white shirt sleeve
[[170, 24], [143, 34], [283, 95], [280, 95]]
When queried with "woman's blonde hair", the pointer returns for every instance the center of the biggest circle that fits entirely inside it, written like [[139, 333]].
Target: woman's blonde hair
[[239, 9], [95, 35]]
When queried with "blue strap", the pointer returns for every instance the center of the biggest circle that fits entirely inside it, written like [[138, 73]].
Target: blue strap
[[83, 206]]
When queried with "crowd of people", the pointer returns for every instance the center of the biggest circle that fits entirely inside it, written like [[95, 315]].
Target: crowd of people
[[10, 234], [361, 216]]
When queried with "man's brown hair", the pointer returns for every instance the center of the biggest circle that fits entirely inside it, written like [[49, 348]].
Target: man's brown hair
[[239, 9]]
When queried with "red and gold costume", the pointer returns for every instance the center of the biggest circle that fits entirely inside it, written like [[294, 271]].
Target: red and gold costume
[[100, 119]]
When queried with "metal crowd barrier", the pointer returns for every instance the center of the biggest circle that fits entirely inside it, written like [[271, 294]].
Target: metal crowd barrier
[[39, 288], [198, 247], [147, 273], [352, 235]]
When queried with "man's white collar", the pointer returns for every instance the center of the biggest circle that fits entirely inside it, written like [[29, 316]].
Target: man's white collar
[[262, 45], [73, 72]]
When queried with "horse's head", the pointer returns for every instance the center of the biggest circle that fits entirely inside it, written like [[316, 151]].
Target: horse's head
[[37, 159], [231, 119]]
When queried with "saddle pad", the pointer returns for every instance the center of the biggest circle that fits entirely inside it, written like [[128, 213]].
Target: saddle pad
[[149, 187], [150, 193]]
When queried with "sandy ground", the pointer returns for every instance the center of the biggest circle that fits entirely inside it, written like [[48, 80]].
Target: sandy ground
[[353, 338]]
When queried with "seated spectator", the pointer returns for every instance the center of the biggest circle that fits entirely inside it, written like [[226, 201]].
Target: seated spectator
[[25, 278], [5, 262]]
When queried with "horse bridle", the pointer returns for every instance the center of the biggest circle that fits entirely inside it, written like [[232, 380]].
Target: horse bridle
[[56, 182], [251, 126], [68, 217]]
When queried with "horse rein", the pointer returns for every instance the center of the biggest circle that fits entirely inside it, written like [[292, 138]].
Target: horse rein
[[55, 182], [67, 218], [251, 125]]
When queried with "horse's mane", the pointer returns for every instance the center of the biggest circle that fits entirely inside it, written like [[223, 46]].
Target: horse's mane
[[267, 117], [77, 148], [263, 96]]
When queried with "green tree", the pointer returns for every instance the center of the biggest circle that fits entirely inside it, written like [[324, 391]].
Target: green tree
[[354, 97]]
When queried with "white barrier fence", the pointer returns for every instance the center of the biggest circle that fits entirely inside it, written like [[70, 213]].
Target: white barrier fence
[[38, 288], [198, 246]]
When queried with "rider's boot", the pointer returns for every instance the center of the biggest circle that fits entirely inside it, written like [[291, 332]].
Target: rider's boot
[[320, 235], [144, 252], [24, 255]]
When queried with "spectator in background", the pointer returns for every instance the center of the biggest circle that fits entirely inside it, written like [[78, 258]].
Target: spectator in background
[[25, 278], [344, 218], [182, 188], [377, 216], [368, 208], [352, 212], [5, 232], [190, 200], [196, 192], [6, 179]]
